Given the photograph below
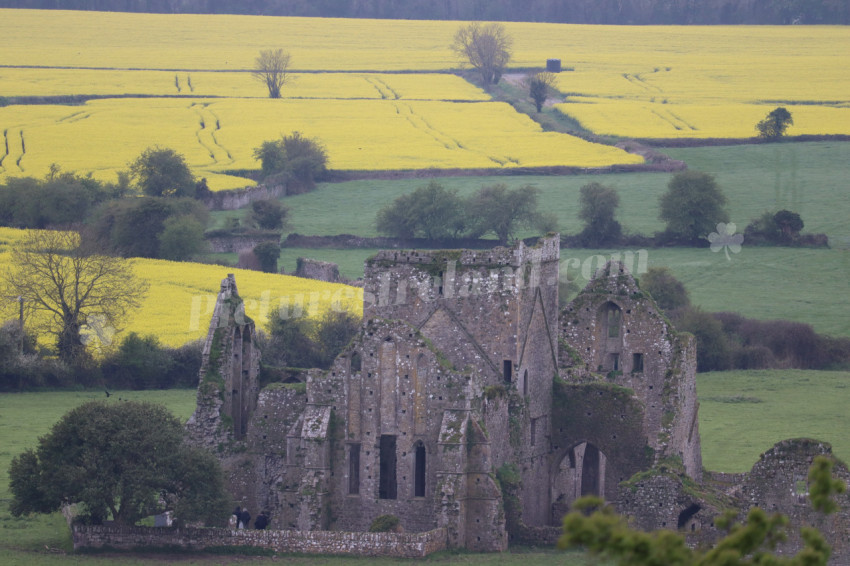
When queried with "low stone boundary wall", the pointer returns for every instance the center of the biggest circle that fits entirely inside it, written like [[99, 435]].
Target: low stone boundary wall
[[401, 545]]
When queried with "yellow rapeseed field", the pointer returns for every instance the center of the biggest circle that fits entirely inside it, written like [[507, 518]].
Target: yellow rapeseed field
[[215, 135], [110, 82], [648, 81], [181, 297]]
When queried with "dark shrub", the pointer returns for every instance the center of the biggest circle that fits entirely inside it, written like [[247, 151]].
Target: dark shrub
[[385, 524]]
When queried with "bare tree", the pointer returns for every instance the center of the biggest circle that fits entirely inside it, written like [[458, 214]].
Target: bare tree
[[539, 86], [486, 47], [271, 67], [71, 285]]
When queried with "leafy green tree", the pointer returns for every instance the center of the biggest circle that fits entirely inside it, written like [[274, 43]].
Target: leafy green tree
[[431, 212], [267, 253], [140, 362], [307, 343], [268, 214], [133, 227], [539, 87], [775, 123], [692, 207], [789, 223], [335, 330], [503, 211], [597, 206], [301, 161], [713, 350], [122, 461], [162, 172], [595, 526], [669, 293], [271, 67], [182, 238], [486, 47], [780, 228], [61, 199]]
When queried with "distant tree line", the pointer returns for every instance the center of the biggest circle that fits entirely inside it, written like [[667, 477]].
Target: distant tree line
[[566, 11]]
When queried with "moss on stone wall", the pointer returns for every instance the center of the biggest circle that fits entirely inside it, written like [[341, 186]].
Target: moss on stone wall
[[606, 415]]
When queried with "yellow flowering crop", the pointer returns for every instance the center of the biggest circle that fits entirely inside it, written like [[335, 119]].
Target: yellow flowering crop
[[181, 297], [112, 82], [215, 135], [647, 81]]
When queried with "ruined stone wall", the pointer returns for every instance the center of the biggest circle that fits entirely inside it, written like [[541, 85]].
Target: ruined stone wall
[[238, 242], [778, 483], [613, 330], [261, 476], [240, 198], [477, 304], [401, 391], [229, 376], [319, 270], [597, 442], [399, 545]]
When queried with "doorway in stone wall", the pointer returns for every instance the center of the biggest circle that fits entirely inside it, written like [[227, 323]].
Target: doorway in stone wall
[[580, 472]]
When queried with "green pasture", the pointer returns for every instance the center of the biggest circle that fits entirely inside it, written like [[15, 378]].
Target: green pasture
[[766, 404], [768, 283], [808, 178], [744, 413], [45, 540]]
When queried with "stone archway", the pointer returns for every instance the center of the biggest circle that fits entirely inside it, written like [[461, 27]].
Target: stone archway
[[581, 471]]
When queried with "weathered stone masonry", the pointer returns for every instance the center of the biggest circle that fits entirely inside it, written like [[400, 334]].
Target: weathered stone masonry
[[464, 367], [470, 404]]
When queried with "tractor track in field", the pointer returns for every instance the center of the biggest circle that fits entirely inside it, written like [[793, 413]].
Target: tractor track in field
[[6, 156], [209, 124], [420, 123], [385, 90]]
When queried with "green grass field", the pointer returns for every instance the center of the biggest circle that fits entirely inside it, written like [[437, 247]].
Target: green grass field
[[759, 282], [807, 178], [764, 403], [45, 540]]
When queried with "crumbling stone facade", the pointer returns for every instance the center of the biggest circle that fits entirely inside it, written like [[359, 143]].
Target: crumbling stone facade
[[468, 402]]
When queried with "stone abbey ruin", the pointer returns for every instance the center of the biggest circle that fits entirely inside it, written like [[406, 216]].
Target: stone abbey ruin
[[470, 402]]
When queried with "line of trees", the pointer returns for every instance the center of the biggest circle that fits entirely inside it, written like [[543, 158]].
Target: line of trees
[[434, 212], [572, 11]]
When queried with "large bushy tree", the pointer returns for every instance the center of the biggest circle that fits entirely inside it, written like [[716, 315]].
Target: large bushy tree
[[271, 67], [431, 212], [151, 227], [69, 284], [61, 199], [268, 214], [504, 211], [597, 206], [774, 124], [162, 172], [123, 461], [305, 343], [692, 207], [486, 47], [669, 293], [299, 160]]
